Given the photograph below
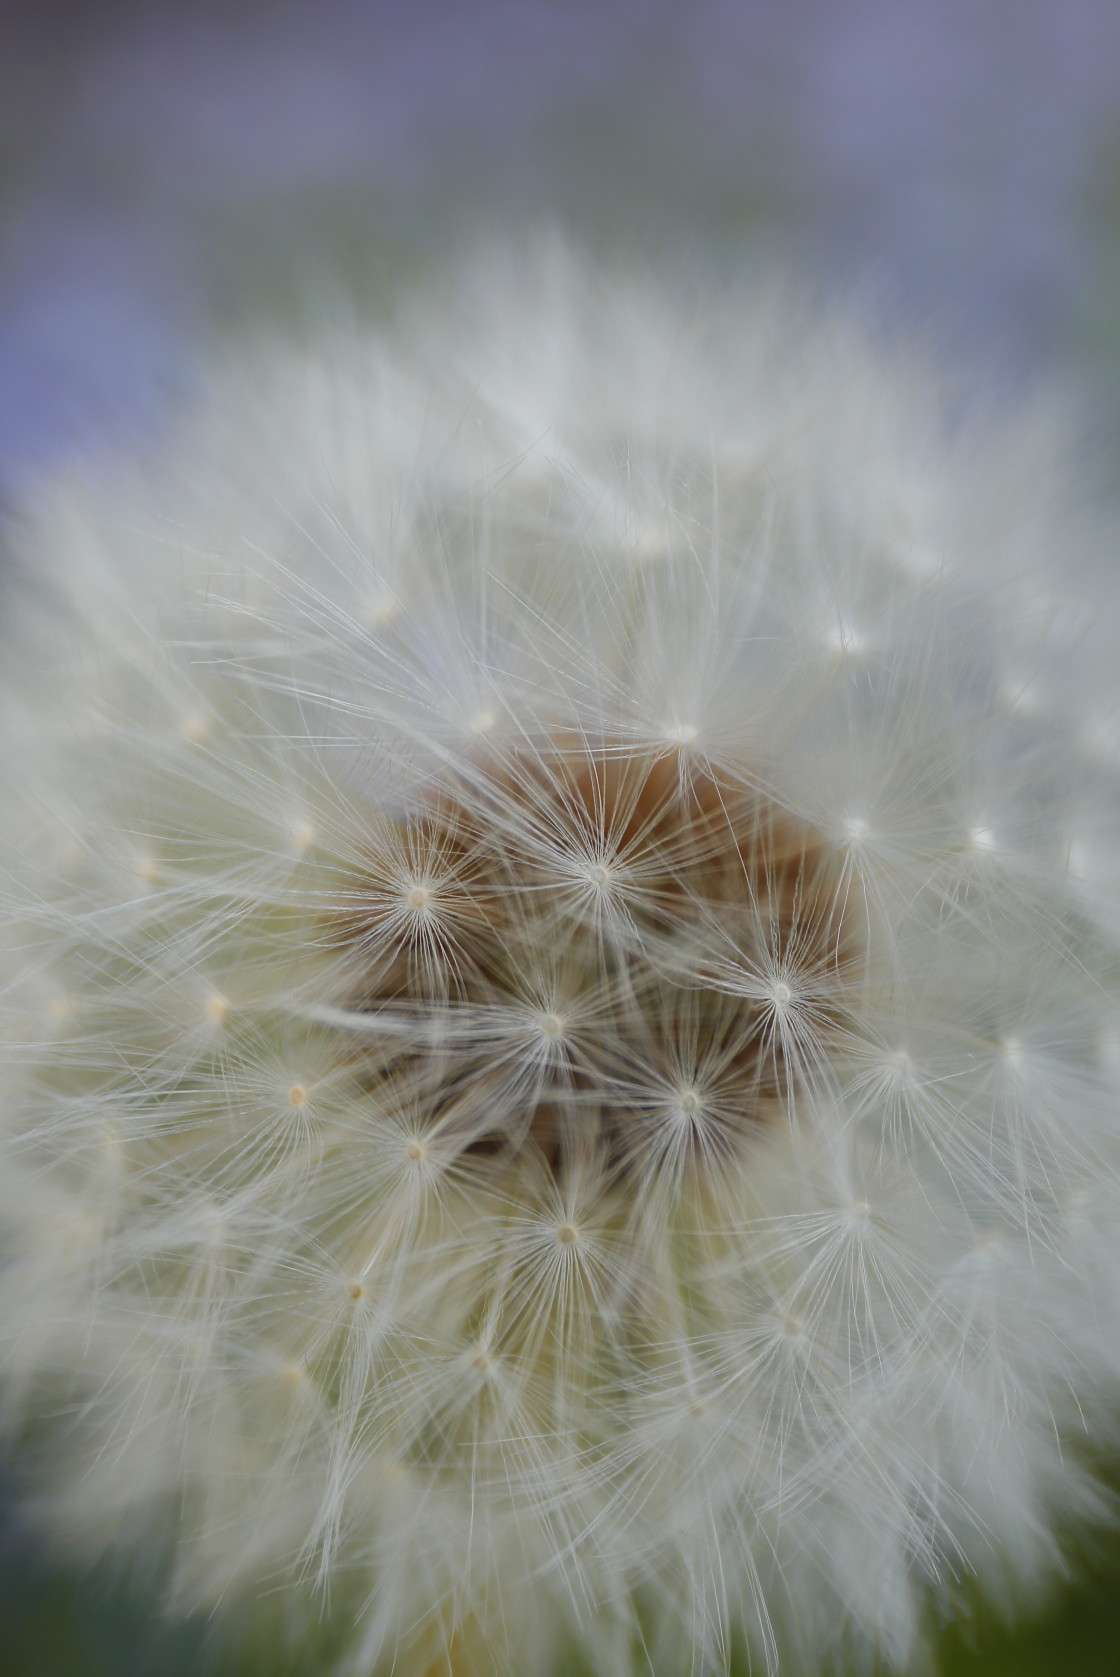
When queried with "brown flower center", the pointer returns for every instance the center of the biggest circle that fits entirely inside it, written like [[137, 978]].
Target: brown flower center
[[590, 951]]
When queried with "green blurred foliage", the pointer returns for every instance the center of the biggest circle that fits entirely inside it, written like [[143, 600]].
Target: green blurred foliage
[[63, 1625]]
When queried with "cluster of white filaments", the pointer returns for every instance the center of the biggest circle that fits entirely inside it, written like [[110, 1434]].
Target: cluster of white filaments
[[560, 1009]]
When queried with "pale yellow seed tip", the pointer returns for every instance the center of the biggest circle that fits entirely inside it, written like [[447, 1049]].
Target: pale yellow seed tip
[[216, 1008], [382, 611], [303, 837], [297, 1094], [196, 726], [567, 1234]]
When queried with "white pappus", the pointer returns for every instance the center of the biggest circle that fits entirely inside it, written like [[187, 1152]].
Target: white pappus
[[560, 967]]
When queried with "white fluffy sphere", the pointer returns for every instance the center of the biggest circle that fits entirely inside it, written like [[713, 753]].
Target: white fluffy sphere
[[561, 956]]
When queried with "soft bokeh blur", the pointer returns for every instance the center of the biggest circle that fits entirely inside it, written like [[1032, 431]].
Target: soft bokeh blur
[[160, 163], [166, 169]]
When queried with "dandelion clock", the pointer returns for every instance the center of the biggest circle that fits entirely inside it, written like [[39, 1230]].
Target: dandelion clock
[[561, 961]]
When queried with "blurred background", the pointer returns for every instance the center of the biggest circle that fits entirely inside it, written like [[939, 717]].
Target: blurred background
[[166, 169]]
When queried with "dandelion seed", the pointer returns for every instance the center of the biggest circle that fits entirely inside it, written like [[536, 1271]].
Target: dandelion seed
[[216, 1007], [146, 869], [382, 611], [196, 726]]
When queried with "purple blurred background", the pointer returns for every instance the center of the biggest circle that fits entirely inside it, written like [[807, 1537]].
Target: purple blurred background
[[163, 165]]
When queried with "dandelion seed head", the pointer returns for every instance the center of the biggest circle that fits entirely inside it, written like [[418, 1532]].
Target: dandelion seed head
[[558, 990]]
